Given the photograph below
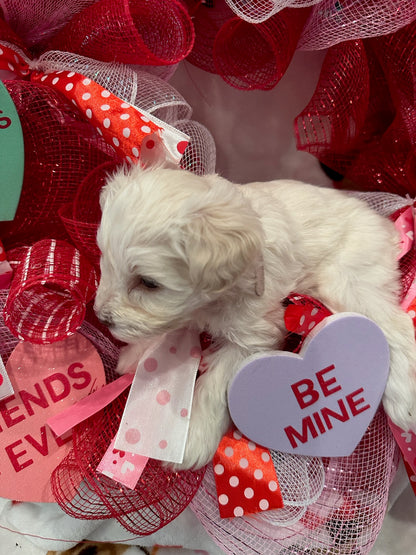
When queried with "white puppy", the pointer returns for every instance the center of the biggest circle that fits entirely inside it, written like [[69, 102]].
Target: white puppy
[[183, 250]]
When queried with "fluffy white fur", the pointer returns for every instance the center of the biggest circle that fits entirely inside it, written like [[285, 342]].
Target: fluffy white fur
[[202, 240]]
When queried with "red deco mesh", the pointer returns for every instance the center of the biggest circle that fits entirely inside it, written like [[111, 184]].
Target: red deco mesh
[[345, 519], [60, 150], [329, 125], [208, 18], [334, 22], [159, 497], [377, 153], [249, 56], [82, 217], [129, 31], [50, 288], [9, 36]]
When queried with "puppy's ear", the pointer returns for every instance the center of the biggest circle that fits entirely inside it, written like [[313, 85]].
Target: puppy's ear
[[221, 242]]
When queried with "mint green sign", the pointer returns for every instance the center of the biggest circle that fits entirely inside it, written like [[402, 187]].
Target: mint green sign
[[11, 156]]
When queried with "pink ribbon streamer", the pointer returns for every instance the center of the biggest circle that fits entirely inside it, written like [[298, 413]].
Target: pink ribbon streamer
[[156, 418], [122, 466], [88, 406]]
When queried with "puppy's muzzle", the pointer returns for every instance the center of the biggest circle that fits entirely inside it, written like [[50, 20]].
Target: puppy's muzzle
[[105, 318]]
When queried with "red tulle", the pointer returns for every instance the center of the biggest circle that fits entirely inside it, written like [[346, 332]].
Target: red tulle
[[159, 497], [129, 31]]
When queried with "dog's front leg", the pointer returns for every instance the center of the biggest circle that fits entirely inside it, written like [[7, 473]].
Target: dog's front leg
[[210, 418]]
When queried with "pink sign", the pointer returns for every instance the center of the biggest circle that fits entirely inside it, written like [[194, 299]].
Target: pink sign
[[321, 401], [46, 379]]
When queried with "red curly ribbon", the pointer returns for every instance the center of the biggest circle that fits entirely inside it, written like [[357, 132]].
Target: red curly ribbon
[[245, 477]]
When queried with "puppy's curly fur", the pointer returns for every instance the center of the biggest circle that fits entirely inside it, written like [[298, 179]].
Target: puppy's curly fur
[[185, 250]]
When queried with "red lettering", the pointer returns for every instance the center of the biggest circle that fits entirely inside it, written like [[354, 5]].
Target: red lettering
[[353, 403], [15, 456], [54, 393], [308, 391], [319, 422], [42, 447], [343, 417], [28, 398], [5, 121], [325, 383], [307, 426], [84, 376], [6, 412]]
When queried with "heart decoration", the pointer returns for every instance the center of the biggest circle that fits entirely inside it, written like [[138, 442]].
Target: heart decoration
[[46, 379], [318, 402]]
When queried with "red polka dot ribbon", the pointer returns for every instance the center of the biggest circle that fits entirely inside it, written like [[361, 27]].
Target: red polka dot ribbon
[[134, 134], [155, 420], [245, 477]]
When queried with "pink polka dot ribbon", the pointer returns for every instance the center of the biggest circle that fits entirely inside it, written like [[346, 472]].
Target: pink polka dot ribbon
[[404, 221], [156, 417], [245, 477], [134, 134]]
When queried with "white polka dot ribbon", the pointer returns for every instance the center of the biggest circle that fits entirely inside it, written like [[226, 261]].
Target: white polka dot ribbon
[[156, 417], [134, 134], [6, 388], [245, 477]]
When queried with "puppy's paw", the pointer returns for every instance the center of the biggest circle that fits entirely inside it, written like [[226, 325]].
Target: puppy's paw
[[204, 436], [129, 358], [399, 398]]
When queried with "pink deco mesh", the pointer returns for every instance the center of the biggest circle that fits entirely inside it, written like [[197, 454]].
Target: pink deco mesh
[[257, 11], [345, 518], [129, 31], [332, 22], [251, 56], [368, 87], [331, 505]]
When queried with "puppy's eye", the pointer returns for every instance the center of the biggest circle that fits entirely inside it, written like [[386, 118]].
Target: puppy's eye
[[149, 283], [141, 282]]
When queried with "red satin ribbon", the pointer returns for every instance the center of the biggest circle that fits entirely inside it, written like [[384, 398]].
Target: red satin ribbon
[[245, 477]]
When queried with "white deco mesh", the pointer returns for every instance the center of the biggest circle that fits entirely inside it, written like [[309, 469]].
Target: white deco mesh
[[139, 88], [256, 11], [200, 155], [332, 22]]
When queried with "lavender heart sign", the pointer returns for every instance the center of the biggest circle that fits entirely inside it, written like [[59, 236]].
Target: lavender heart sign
[[321, 401]]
